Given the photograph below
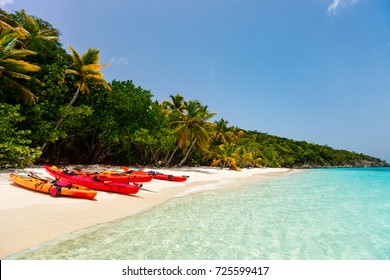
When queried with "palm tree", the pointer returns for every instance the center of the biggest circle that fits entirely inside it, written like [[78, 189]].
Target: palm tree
[[88, 70], [223, 133], [245, 158], [225, 155], [175, 106], [236, 133], [13, 67], [6, 23], [13, 33], [189, 120], [34, 29], [193, 128], [173, 110]]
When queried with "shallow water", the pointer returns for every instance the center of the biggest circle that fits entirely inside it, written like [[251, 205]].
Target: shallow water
[[314, 214]]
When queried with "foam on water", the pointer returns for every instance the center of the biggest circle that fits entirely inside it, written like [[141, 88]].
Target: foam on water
[[314, 214], [207, 187]]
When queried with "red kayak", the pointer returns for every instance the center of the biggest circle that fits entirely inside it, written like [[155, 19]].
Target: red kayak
[[114, 176], [157, 175], [92, 182]]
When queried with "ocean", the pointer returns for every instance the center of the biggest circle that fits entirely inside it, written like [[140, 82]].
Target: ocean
[[318, 214]]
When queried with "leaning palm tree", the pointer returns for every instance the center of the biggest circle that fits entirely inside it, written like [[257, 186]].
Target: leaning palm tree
[[88, 70], [193, 128], [12, 66], [173, 110]]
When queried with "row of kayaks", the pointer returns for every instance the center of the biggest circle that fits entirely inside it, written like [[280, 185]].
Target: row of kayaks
[[85, 184]]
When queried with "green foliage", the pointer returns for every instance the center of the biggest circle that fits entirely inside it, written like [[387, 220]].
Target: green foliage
[[56, 90], [118, 116], [14, 144], [151, 146], [110, 125]]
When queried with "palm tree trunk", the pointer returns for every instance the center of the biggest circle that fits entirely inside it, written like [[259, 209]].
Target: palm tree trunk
[[188, 153], [76, 94], [170, 158], [62, 117]]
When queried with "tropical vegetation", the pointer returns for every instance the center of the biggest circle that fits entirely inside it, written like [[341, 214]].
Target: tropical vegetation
[[57, 107]]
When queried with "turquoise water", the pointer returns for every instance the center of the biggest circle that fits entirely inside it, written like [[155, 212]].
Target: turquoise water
[[319, 214]]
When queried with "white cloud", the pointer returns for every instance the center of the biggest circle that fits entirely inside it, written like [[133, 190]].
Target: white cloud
[[332, 7], [338, 4], [5, 2], [119, 60]]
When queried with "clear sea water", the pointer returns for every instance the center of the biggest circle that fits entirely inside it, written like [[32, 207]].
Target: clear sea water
[[323, 214]]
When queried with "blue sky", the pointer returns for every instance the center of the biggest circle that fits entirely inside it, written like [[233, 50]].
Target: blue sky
[[313, 70]]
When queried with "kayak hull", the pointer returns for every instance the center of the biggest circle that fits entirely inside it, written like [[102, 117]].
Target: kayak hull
[[46, 186], [170, 178], [124, 178]]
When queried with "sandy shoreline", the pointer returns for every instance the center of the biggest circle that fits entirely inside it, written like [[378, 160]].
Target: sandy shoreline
[[30, 218]]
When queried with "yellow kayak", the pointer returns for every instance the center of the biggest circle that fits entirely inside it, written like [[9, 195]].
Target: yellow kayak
[[55, 188]]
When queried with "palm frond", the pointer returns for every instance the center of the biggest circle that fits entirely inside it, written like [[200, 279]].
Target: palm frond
[[71, 71], [28, 97], [91, 56], [34, 29], [6, 23], [19, 65], [8, 39], [17, 75], [76, 58], [99, 81], [92, 69], [18, 53]]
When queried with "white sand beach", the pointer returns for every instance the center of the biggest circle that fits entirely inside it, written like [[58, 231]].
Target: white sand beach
[[29, 218]]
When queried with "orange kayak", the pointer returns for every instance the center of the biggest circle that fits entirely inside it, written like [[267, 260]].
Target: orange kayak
[[55, 188], [122, 177], [157, 175]]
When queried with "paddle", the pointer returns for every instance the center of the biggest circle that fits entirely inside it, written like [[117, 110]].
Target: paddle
[[36, 176]]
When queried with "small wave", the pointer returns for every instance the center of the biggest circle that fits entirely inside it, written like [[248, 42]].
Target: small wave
[[207, 187]]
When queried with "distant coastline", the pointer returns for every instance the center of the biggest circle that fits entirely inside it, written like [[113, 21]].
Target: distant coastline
[[356, 165]]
